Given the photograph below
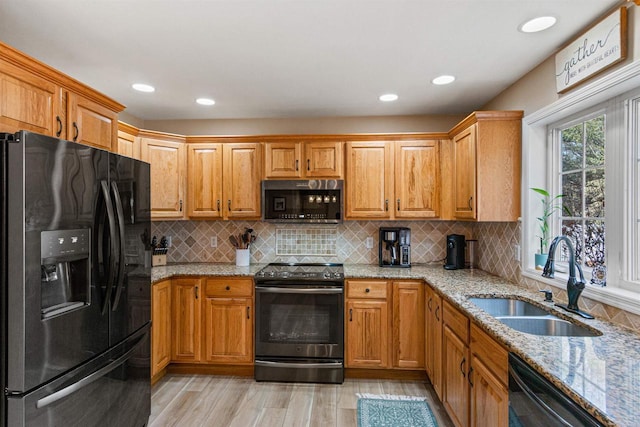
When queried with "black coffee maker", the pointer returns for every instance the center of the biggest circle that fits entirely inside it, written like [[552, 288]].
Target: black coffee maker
[[455, 252], [394, 248]]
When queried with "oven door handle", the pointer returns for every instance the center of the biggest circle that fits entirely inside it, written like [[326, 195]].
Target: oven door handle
[[298, 365], [313, 291]]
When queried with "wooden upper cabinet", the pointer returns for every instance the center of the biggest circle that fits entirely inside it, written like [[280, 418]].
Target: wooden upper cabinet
[[168, 167], [369, 178], [92, 124], [128, 141], [204, 183], [323, 159], [312, 159], [486, 166], [417, 179], [241, 170], [28, 102]]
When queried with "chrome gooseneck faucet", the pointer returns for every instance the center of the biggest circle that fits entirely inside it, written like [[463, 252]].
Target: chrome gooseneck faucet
[[574, 286]]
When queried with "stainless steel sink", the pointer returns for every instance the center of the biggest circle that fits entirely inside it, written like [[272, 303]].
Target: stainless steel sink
[[548, 325], [508, 307], [531, 319]]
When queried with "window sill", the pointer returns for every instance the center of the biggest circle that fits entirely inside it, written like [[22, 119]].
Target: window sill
[[616, 297]]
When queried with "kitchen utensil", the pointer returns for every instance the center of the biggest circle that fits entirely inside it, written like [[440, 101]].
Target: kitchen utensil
[[234, 241]]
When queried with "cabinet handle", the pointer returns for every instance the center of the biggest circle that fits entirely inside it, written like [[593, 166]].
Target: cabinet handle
[[398, 207], [437, 309], [308, 164], [77, 133], [386, 204], [296, 165], [227, 288], [59, 131], [180, 205], [469, 376], [470, 200], [351, 315], [462, 367], [196, 291], [229, 205], [218, 205], [367, 290], [429, 304], [248, 312]]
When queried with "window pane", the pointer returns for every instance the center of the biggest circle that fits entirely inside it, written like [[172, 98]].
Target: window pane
[[594, 244], [595, 142], [594, 193], [573, 230], [571, 149], [572, 191]]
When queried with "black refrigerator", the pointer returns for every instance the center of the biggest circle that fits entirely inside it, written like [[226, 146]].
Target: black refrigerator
[[75, 290]]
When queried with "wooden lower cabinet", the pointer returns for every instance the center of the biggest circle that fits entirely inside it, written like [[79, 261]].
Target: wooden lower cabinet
[[228, 321], [433, 339], [384, 324], [186, 320], [475, 374], [160, 326]]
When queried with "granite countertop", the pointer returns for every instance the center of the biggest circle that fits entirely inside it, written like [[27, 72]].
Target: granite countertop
[[601, 373]]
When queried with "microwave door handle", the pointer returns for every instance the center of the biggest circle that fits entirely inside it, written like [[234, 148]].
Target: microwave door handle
[[112, 237], [119, 246], [531, 395]]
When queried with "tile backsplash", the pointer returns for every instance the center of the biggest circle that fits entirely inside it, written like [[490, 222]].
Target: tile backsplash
[[192, 242]]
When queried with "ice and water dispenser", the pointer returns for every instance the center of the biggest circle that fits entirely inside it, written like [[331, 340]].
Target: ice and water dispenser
[[65, 267]]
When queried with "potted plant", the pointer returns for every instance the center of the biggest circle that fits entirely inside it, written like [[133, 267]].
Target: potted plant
[[549, 206]]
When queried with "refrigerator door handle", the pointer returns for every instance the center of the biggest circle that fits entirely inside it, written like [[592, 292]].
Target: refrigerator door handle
[[112, 236], [62, 393], [120, 245]]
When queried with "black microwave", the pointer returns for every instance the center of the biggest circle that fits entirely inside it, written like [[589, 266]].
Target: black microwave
[[303, 201]]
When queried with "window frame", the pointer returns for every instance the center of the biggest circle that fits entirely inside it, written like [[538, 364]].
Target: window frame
[[537, 167]]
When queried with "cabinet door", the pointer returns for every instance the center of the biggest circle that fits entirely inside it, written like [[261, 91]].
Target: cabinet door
[[282, 160], [464, 165], [204, 180], [128, 145], [417, 180], [408, 324], [28, 102], [489, 397], [186, 325], [456, 387], [168, 163], [92, 124], [367, 338], [242, 171], [369, 179], [323, 159], [161, 326], [228, 330], [435, 340]]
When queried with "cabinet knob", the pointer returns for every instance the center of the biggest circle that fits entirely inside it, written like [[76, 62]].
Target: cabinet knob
[[367, 290], [228, 288]]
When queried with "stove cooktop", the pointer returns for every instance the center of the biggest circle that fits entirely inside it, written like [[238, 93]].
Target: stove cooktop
[[305, 271]]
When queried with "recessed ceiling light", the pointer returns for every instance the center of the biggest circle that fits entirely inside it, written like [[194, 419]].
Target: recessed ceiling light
[[141, 87], [205, 101], [443, 80], [538, 24], [388, 97]]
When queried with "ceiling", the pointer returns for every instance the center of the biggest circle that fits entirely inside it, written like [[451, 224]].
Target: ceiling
[[293, 58]]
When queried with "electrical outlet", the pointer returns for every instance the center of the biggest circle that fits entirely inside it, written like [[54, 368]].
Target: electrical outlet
[[368, 242], [516, 252], [214, 241], [169, 241]]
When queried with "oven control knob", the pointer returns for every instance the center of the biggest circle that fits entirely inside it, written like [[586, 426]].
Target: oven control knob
[[337, 275], [260, 274], [326, 275], [272, 273]]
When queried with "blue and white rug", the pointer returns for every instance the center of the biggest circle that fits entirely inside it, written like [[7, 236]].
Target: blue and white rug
[[385, 410]]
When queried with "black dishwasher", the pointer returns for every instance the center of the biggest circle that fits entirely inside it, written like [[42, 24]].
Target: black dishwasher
[[535, 401]]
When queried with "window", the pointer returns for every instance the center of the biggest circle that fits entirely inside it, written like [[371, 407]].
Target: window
[[581, 180]]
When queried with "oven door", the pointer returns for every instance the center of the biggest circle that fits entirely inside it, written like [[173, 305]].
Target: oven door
[[299, 320]]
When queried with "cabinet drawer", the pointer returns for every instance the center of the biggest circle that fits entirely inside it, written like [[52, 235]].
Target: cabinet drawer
[[377, 289], [491, 353], [229, 287], [456, 321]]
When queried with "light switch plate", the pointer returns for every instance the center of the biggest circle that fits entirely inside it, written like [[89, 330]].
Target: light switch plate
[[214, 241], [368, 242]]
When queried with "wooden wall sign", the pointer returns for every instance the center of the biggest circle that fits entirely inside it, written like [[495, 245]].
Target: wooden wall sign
[[601, 46]]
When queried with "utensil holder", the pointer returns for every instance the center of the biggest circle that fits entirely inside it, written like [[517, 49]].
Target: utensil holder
[[243, 257]]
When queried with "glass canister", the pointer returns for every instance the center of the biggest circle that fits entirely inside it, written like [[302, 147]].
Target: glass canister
[[471, 256]]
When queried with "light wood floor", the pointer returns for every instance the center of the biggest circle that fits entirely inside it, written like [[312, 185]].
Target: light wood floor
[[207, 400]]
